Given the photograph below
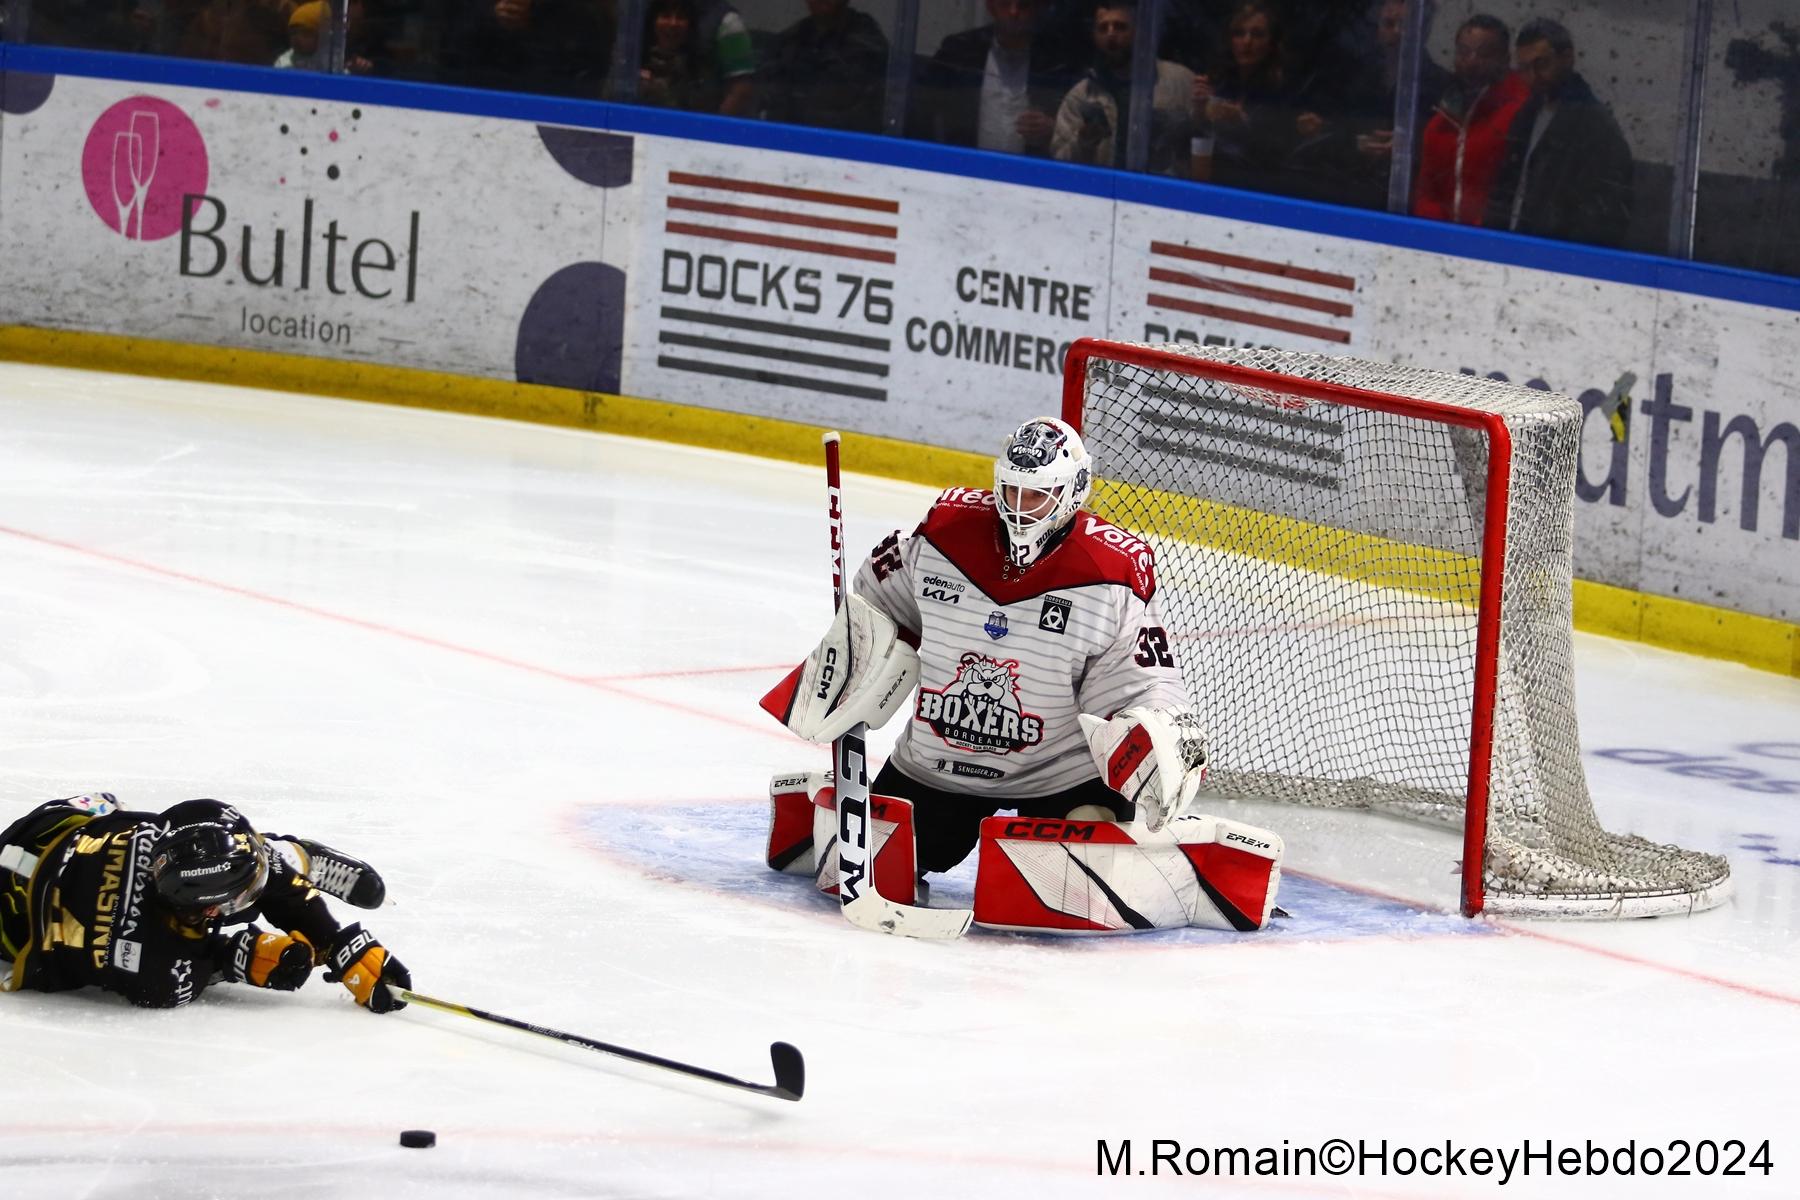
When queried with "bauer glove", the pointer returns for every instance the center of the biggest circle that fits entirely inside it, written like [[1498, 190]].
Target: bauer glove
[[269, 960], [363, 965]]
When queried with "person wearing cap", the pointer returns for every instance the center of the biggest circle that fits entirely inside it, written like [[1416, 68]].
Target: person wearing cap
[[305, 25]]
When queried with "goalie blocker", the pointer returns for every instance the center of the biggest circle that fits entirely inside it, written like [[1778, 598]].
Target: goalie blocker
[[1051, 876]]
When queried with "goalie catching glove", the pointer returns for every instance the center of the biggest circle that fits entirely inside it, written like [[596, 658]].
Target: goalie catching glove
[[363, 965], [862, 672], [1154, 757]]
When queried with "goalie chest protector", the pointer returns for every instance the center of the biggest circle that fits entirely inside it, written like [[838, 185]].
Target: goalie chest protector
[[1008, 658]]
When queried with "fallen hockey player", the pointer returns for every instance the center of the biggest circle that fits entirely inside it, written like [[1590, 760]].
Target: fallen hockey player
[[149, 905], [1045, 684]]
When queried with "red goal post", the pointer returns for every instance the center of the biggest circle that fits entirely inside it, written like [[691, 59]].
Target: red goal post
[[1369, 572]]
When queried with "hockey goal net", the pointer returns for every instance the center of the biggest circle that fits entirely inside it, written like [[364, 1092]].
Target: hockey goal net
[[1366, 571]]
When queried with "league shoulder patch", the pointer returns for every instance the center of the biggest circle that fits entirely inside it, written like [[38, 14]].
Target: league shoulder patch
[[979, 709]]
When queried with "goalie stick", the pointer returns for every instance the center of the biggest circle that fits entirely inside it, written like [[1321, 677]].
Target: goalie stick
[[865, 907], [790, 1068]]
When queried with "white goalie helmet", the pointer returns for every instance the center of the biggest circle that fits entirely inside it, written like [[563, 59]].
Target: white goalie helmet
[[1043, 475]]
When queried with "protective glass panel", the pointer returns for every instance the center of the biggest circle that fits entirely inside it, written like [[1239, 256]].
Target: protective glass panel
[[822, 63], [1571, 134], [1748, 205]]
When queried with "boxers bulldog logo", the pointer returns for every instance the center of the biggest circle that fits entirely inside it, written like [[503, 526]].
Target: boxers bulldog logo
[[979, 710]]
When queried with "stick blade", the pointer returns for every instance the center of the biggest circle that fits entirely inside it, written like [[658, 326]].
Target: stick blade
[[876, 913], [790, 1071]]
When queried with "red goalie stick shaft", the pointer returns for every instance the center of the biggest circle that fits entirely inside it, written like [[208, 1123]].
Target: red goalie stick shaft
[[862, 904]]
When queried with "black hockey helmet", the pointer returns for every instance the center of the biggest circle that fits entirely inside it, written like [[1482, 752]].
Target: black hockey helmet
[[211, 868]]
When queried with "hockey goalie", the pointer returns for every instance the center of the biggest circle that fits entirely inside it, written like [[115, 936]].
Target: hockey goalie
[[1018, 636]]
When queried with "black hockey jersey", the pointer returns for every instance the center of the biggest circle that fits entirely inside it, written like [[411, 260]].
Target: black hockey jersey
[[95, 919], [1009, 658]]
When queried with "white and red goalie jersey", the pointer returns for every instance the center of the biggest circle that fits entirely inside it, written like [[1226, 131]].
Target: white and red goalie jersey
[[1010, 658]]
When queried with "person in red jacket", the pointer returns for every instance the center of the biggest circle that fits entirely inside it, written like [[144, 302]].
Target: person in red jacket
[[1465, 140]]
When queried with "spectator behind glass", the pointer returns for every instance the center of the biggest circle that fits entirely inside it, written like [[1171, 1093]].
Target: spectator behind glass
[[996, 87], [551, 47], [240, 31], [1193, 33], [1351, 148], [1092, 120], [830, 69], [1249, 103], [305, 24], [1464, 141], [1567, 168], [697, 57]]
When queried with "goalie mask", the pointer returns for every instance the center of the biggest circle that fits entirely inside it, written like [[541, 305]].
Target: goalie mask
[[1043, 475]]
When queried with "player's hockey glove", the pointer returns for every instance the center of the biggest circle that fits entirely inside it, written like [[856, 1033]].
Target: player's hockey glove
[[269, 960], [363, 965], [1154, 757]]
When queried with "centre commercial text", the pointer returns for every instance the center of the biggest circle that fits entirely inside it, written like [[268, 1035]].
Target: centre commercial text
[[1019, 349], [755, 283]]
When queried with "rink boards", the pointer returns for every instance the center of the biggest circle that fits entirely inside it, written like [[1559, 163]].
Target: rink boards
[[914, 293]]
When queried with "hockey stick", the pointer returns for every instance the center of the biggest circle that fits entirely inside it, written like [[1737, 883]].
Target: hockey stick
[[865, 907], [790, 1068]]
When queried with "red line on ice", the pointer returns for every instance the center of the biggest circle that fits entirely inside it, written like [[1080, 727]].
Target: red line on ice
[[598, 683], [751, 668], [1748, 989], [1518, 930]]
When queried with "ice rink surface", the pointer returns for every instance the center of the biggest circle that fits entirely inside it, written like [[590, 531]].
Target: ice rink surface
[[516, 668]]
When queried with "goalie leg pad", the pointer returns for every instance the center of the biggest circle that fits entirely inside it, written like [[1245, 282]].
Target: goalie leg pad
[[1052, 876], [791, 800], [891, 847], [1238, 866]]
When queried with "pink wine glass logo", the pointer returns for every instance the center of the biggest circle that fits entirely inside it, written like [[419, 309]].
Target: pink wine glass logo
[[142, 156]]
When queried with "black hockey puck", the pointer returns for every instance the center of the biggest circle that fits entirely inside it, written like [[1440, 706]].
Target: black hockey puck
[[418, 1139]]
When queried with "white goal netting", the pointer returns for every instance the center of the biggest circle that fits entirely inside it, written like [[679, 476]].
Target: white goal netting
[[1320, 556]]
